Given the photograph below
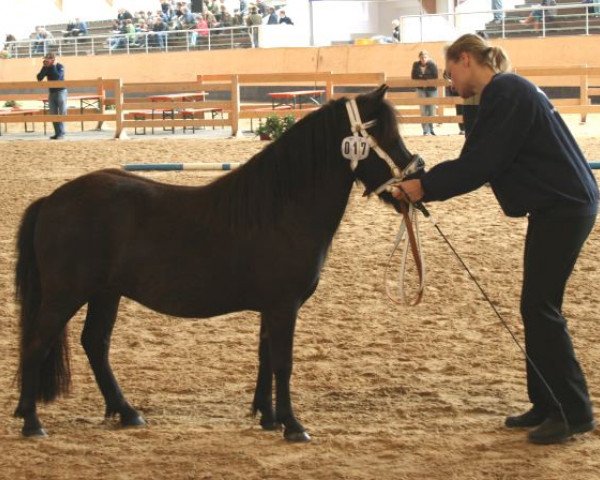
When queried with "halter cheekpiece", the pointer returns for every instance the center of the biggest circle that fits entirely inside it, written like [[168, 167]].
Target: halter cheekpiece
[[357, 147]]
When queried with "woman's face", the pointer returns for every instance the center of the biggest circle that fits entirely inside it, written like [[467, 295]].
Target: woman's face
[[460, 72]]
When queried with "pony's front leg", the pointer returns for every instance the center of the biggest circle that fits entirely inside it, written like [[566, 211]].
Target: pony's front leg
[[263, 394], [280, 325]]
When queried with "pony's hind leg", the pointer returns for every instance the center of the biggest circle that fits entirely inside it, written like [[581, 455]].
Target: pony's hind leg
[[263, 394], [44, 365], [280, 324], [95, 338]]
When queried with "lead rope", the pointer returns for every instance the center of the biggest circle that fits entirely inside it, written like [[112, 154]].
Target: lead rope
[[408, 225], [528, 359], [355, 149]]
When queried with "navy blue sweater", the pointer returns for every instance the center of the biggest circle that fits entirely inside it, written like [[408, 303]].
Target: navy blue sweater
[[54, 72], [522, 147]]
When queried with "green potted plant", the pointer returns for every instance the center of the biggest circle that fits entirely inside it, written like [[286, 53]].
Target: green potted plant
[[274, 126]]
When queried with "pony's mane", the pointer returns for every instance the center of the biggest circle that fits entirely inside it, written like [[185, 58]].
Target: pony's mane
[[253, 195]]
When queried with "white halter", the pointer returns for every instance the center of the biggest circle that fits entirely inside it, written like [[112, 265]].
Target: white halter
[[356, 148]]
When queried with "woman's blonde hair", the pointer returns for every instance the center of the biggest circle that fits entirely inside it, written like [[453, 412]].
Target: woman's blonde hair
[[483, 53]]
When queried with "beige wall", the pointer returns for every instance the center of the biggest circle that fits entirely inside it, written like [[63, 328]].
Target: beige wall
[[394, 60]]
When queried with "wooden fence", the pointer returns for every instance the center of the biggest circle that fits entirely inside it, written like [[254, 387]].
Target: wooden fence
[[196, 104]]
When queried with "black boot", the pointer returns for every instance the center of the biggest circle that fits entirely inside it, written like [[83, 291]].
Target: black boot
[[557, 431], [531, 418]]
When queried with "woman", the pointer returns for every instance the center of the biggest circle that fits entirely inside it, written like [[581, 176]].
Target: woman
[[521, 146]]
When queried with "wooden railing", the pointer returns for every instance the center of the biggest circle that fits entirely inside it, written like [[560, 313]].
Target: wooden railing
[[407, 102], [322, 80], [131, 100], [577, 75], [23, 91]]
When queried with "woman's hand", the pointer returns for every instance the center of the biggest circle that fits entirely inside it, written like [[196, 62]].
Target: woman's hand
[[411, 188]]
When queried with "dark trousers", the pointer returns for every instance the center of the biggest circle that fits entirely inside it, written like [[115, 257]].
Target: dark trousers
[[551, 249]]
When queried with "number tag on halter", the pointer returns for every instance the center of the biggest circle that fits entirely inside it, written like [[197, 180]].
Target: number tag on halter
[[355, 148]]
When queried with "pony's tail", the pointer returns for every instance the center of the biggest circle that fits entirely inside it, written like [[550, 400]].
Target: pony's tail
[[54, 374]]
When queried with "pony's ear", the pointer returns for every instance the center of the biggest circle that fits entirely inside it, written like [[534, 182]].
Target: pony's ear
[[380, 92]]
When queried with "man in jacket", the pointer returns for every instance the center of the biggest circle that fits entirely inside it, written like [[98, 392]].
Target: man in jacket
[[57, 97]]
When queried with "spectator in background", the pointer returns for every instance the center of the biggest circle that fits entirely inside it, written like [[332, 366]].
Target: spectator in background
[[57, 97], [254, 20], [187, 19], [395, 38], [201, 26], [595, 9], [141, 31], [223, 13], [158, 32], [243, 7], [497, 6], [9, 45], [213, 7], [237, 19], [178, 9], [272, 17], [283, 18], [123, 15], [43, 40], [425, 69], [128, 36], [226, 18], [537, 16], [211, 20], [75, 28], [165, 8], [262, 7], [396, 31]]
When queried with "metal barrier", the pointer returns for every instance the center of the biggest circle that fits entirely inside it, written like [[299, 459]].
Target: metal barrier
[[566, 19], [113, 43]]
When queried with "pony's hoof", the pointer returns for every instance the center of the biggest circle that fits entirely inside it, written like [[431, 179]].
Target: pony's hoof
[[297, 437], [270, 426], [135, 421], [34, 432]]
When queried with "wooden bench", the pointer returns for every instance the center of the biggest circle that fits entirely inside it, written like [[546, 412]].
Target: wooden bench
[[294, 98], [190, 114], [140, 115], [18, 111]]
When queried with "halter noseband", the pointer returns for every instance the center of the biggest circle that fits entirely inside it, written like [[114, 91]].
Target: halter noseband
[[353, 148]]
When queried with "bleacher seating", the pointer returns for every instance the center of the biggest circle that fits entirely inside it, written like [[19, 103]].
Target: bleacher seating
[[101, 30], [568, 21]]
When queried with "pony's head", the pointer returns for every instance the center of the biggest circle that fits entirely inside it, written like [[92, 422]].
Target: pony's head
[[373, 146]]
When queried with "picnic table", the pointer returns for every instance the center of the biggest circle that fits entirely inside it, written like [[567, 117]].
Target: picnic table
[[295, 98], [179, 97], [17, 111], [186, 113], [85, 101]]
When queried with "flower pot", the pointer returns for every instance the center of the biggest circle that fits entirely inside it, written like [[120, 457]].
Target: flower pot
[[264, 136]]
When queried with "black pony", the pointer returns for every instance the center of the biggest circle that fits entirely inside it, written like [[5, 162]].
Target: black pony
[[255, 239]]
